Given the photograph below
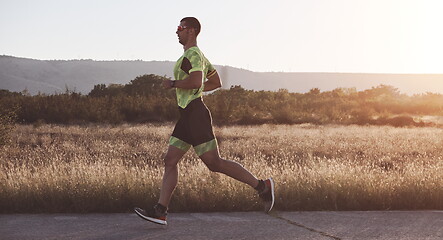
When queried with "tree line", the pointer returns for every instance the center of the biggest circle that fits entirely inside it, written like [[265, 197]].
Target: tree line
[[144, 100]]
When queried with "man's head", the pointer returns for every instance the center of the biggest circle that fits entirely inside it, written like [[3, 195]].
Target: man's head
[[188, 29], [193, 23]]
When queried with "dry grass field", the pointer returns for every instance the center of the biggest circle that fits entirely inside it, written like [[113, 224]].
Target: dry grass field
[[53, 168]]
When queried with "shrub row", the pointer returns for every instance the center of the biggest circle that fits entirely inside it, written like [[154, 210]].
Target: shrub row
[[144, 100]]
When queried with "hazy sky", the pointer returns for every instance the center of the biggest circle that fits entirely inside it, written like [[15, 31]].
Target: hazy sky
[[377, 36]]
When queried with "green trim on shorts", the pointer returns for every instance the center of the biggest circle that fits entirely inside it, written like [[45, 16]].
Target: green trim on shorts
[[205, 147], [180, 144]]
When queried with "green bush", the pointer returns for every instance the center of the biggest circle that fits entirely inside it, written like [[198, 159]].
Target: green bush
[[144, 100]]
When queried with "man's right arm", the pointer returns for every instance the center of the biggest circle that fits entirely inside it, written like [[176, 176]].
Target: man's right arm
[[213, 83], [193, 81]]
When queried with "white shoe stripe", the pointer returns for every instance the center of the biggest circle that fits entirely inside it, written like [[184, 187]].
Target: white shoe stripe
[[154, 220], [272, 193]]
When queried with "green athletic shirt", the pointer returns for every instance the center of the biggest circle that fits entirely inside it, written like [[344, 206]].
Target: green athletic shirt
[[191, 61]]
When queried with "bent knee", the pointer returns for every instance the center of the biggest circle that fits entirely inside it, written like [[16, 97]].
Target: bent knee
[[215, 165]]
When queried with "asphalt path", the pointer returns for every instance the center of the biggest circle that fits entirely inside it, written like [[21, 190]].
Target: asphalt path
[[237, 225]]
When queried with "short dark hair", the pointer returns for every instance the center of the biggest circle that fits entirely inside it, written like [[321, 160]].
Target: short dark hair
[[193, 23]]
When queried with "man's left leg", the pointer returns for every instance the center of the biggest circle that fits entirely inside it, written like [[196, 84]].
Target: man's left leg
[[265, 188], [230, 168]]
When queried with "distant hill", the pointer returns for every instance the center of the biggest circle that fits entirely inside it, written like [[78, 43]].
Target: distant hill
[[17, 74], [55, 76]]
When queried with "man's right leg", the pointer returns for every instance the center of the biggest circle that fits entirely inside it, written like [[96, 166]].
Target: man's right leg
[[158, 213], [170, 176]]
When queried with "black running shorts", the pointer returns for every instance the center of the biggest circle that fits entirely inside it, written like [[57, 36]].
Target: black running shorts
[[194, 128]]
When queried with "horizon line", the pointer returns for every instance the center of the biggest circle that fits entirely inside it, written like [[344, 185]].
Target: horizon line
[[241, 68]]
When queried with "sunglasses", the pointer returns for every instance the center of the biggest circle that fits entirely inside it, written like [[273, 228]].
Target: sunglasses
[[181, 28]]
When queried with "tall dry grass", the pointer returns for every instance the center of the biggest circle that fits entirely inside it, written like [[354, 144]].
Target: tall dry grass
[[112, 169]]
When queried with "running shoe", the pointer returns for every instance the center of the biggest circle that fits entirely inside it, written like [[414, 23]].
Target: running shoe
[[267, 195], [153, 215]]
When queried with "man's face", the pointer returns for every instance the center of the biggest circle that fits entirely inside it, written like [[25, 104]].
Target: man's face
[[182, 33]]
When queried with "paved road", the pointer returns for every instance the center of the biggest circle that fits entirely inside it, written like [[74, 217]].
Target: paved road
[[239, 225]]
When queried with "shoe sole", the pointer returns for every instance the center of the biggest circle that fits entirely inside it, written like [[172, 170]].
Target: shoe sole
[[272, 194], [150, 219]]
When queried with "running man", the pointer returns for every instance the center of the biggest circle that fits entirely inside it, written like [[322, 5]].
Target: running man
[[194, 128]]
